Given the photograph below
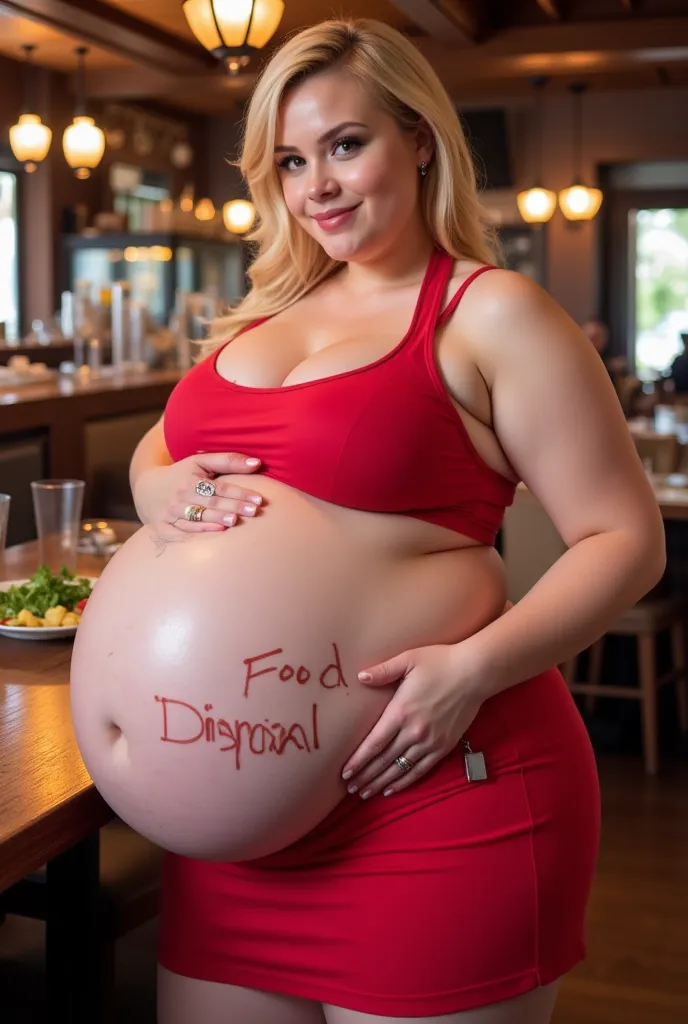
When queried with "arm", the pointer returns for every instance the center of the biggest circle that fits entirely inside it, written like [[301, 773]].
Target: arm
[[150, 453], [559, 422]]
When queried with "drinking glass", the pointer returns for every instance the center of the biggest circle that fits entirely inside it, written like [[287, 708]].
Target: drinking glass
[[57, 509], [4, 519]]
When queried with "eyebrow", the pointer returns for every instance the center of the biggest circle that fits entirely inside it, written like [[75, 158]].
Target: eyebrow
[[331, 134]]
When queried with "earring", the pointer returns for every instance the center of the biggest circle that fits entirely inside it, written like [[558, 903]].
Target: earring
[[423, 168]]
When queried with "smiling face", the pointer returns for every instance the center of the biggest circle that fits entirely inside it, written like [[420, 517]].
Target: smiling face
[[349, 173]]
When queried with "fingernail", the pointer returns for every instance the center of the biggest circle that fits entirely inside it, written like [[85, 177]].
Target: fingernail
[[255, 498], [230, 520], [249, 510], [353, 789], [364, 796], [364, 677], [347, 775], [252, 462], [388, 792]]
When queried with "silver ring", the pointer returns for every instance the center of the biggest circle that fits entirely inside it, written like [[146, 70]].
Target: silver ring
[[404, 763], [205, 488], [194, 513]]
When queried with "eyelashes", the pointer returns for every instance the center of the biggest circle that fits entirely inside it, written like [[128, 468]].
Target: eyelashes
[[346, 140]]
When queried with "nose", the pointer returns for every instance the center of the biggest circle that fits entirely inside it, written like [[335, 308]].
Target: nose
[[321, 184]]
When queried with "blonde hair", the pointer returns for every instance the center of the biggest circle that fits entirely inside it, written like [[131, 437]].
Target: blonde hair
[[289, 261]]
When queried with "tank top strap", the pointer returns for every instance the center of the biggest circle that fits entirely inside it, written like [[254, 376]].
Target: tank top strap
[[456, 299], [434, 288]]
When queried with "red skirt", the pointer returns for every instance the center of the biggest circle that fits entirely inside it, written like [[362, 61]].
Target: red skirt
[[445, 897]]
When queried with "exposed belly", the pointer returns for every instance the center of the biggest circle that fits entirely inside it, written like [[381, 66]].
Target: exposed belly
[[214, 681]]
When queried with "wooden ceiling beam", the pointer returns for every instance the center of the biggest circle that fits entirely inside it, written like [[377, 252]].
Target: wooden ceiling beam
[[447, 21], [114, 30], [551, 8]]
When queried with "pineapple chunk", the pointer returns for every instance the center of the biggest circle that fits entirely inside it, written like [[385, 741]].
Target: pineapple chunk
[[70, 619], [54, 616], [27, 618]]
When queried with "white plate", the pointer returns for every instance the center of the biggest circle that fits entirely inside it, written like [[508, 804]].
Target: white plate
[[38, 632]]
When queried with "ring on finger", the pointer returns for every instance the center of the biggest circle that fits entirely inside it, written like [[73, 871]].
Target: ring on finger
[[404, 763], [206, 488], [194, 513]]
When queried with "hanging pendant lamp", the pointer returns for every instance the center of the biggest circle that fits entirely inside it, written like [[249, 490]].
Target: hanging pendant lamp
[[29, 138], [83, 141], [537, 204], [238, 216], [233, 30], [578, 202]]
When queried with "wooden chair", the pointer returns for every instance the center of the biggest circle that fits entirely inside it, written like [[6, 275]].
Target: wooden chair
[[531, 545], [645, 621], [661, 450], [130, 868]]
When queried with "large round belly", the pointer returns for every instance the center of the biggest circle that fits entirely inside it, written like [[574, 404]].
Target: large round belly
[[214, 680]]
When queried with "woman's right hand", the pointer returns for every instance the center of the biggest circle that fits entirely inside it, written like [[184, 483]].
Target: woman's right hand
[[164, 492]]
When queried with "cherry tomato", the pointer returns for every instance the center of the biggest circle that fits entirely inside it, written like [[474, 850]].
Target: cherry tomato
[[81, 604]]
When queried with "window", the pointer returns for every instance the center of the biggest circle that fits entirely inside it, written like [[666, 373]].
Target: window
[[660, 250], [9, 262]]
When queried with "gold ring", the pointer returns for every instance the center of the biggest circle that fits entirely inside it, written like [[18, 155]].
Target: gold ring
[[404, 763], [194, 513]]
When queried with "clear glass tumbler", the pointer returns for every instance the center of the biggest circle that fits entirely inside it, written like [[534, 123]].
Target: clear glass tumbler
[[57, 508], [4, 519]]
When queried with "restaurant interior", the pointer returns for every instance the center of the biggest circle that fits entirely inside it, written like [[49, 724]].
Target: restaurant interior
[[123, 224]]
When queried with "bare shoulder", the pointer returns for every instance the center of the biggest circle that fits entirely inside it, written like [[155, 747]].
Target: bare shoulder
[[505, 316]]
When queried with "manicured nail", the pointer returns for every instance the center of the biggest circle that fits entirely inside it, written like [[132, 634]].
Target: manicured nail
[[230, 520], [249, 510], [364, 677], [353, 789], [255, 498], [388, 792], [252, 462], [366, 794], [347, 775]]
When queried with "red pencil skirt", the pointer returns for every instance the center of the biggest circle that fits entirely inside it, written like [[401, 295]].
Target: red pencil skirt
[[445, 897]]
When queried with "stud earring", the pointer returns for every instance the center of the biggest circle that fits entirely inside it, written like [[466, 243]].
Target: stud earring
[[423, 168]]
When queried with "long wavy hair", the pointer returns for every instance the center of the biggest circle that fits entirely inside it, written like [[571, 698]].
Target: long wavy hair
[[289, 262]]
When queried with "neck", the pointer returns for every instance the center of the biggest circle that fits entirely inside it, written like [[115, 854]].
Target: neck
[[401, 261]]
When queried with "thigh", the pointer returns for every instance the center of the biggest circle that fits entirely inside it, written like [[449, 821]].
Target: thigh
[[187, 1000], [534, 1007]]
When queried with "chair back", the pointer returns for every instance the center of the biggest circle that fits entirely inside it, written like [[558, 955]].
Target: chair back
[[660, 451]]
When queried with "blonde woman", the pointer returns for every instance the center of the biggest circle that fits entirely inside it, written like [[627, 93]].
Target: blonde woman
[[450, 882]]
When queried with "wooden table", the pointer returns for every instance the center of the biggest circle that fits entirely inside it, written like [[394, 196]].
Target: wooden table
[[50, 812]]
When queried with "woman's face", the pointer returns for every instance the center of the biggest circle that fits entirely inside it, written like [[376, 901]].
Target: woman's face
[[349, 174]]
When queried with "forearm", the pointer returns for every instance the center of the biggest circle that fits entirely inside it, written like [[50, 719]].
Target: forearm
[[571, 606]]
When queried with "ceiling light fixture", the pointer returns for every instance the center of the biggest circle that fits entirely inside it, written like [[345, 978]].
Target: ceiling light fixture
[[537, 204], [578, 202], [29, 138], [233, 30], [83, 141]]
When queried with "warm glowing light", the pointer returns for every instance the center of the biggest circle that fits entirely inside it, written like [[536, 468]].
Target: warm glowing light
[[205, 209], [238, 216], [579, 202], [233, 28], [536, 205], [84, 144], [131, 254], [30, 140]]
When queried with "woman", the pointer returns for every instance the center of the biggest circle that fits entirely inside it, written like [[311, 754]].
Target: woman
[[461, 895]]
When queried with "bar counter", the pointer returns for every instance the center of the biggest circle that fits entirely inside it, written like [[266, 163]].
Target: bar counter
[[81, 427]]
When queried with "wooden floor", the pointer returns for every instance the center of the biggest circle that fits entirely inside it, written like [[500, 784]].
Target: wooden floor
[[637, 966]]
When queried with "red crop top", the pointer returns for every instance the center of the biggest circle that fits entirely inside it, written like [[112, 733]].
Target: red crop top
[[384, 437]]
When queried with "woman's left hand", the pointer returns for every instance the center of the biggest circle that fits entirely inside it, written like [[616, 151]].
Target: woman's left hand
[[425, 720]]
